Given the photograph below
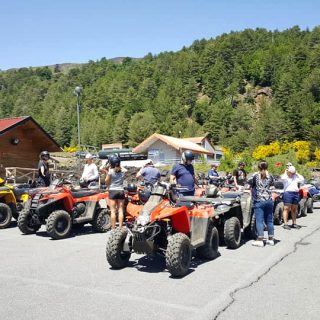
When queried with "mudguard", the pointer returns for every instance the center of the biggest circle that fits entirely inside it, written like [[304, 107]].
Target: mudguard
[[180, 219], [7, 195]]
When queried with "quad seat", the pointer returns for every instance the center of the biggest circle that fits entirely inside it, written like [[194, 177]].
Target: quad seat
[[231, 194], [188, 204], [84, 193]]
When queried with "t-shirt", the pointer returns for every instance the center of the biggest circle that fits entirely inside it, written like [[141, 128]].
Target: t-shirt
[[241, 176], [117, 177], [90, 172], [291, 184], [150, 174], [46, 169], [261, 187], [212, 173], [184, 174]]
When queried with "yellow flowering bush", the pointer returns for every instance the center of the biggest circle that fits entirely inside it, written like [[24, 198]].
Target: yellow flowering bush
[[264, 151], [286, 147], [302, 149], [317, 154], [70, 149]]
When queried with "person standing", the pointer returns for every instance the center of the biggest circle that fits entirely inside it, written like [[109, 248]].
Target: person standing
[[240, 176], [262, 203], [114, 181], [183, 174], [90, 172], [43, 169], [150, 174], [291, 180], [213, 174]]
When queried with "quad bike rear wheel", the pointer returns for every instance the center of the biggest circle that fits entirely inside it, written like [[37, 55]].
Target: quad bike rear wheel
[[26, 223], [14, 210], [101, 221], [210, 249], [5, 215], [250, 231], [116, 257], [278, 214], [59, 224], [310, 205], [178, 254], [232, 233]]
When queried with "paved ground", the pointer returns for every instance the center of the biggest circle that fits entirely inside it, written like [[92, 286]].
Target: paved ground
[[69, 279]]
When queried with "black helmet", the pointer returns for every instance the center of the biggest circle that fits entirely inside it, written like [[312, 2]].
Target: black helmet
[[44, 154], [144, 195], [187, 155], [114, 161], [132, 187], [263, 165]]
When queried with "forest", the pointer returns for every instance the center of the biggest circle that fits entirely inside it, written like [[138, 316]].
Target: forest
[[245, 89]]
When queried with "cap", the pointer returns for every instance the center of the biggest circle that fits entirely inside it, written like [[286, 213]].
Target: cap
[[292, 169], [89, 156], [149, 161]]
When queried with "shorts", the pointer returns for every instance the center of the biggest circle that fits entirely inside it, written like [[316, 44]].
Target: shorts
[[116, 194], [291, 197]]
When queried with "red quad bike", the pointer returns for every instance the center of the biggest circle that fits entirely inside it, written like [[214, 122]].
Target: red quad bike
[[171, 229], [60, 207]]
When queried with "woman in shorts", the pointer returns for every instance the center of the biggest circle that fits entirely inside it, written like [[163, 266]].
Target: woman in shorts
[[291, 180], [114, 180]]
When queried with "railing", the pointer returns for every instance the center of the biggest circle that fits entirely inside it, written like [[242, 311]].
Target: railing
[[17, 174]]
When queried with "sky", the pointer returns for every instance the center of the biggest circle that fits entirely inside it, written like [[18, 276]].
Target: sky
[[43, 32]]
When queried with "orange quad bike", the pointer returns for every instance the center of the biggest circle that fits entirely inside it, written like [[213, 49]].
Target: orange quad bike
[[60, 207], [169, 227]]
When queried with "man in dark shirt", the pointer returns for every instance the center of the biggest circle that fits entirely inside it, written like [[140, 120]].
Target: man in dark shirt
[[213, 174], [240, 175], [43, 169], [183, 174]]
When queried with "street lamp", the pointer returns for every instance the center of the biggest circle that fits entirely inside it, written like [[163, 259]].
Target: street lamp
[[77, 92]]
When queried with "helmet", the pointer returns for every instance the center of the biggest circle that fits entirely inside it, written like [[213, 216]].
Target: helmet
[[89, 156], [292, 169], [212, 191], [241, 163], [44, 154], [149, 161], [187, 155], [144, 195], [132, 187], [114, 161], [263, 165]]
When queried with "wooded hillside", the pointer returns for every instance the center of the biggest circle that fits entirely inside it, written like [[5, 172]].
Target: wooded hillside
[[244, 88]]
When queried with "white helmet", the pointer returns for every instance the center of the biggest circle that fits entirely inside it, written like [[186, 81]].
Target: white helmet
[[89, 156]]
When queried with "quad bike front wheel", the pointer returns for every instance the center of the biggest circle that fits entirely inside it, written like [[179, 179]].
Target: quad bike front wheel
[[116, 257], [5, 215], [101, 221], [310, 205], [209, 250], [278, 214], [178, 254], [232, 233], [59, 224], [26, 223]]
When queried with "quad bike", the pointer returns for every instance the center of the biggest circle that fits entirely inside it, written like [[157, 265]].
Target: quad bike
[[60, 207], [172, 228], [12, 200]]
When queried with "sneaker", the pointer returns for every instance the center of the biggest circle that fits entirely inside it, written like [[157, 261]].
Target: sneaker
[[295, 226], [285, 226], [258, 243], [270, 242]]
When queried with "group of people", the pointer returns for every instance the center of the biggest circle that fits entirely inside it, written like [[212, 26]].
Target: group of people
[[183, 174]]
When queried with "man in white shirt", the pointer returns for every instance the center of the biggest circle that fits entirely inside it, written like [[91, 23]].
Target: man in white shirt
[[90, 172], [291, 180]]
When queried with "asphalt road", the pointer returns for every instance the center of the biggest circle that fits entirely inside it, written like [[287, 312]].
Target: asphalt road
[[70, 279]]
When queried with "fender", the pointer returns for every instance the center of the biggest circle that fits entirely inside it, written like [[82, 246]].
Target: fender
[[65, 197], [7, 195], [133, 210], [179, 218]]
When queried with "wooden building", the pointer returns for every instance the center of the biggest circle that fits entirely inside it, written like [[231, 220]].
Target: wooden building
[[21, 141], [167, 150]]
